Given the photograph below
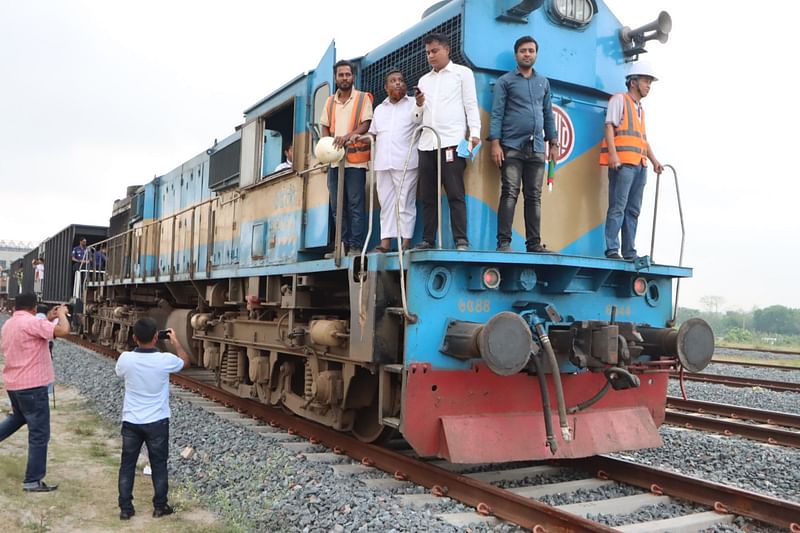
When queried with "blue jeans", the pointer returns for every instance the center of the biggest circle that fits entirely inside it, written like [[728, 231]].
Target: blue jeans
[[30, 406], [625, 191], [156, 436], [354, 215]]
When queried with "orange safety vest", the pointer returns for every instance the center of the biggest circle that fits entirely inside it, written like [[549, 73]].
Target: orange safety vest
[[630, 139], [357, 151]]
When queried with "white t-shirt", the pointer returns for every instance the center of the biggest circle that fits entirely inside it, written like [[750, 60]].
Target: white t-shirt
[[39, 272], [146, 376]]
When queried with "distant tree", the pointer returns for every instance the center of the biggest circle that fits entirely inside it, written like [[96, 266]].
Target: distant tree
[[740, 336], [777, 319], [685, 313], [712, 303], [737, 319], [714, 319]]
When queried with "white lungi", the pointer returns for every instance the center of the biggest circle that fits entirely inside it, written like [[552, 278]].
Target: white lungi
[[388, 187]]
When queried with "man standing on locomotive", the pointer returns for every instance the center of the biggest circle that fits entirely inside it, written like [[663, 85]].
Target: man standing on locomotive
[[447, 102], [79, 256], [27, 373], [393, 128], [347, 115], [625, 152], [146, 412], [522, 120]]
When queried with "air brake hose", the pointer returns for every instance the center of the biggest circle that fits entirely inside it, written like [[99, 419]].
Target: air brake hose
[[548, 421], [551, 357], [591, 401]]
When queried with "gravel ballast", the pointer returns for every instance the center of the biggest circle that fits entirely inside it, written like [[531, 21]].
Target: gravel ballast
[[253, 482]]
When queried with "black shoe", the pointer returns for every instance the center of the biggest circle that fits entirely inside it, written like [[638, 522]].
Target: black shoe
[[39, 486], [613, 255], [631, 258], [538, 249], [504, 247], [158, 512], [126, 515], [424, 245], [462, 244]]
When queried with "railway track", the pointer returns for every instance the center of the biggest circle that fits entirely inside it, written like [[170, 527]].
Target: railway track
[[735, 381], [517, 504], [755, 364], [734, 420], [766, 350]]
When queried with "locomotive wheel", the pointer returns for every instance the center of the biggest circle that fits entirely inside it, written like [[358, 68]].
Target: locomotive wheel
[[367, 426]]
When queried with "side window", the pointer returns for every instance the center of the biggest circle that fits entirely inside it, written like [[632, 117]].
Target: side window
[[320, 96]]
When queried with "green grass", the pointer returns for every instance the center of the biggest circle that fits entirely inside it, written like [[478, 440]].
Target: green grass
[[783, 348]]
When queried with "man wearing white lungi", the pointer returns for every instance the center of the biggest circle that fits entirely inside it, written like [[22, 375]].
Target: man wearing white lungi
[[393, 128]]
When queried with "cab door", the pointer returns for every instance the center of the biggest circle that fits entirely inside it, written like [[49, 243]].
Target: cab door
[[317, 218]]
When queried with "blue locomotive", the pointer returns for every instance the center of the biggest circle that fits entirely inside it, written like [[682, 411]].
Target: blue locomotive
[[473, 356]]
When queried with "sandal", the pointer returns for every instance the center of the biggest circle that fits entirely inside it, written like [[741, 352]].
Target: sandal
[[381, 249]]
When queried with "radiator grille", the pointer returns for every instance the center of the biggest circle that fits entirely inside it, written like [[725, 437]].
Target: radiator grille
[[223, 169], [411, 59]]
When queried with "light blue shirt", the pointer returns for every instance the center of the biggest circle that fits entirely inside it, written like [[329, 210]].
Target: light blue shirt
[[146, 376]]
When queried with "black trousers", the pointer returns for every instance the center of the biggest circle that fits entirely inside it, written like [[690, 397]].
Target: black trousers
[[156, 436], [453, 182]]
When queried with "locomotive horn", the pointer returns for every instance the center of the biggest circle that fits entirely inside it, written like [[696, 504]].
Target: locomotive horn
[[633, 40]]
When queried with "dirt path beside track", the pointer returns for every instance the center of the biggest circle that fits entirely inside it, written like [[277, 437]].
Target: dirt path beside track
[[83, 459]]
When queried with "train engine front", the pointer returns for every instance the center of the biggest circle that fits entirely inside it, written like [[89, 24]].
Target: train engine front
[[504, 366]]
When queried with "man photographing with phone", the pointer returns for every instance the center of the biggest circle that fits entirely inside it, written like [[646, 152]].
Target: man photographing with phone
[[145, 412], [27, 372]]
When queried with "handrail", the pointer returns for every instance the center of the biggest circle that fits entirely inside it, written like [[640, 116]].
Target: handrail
[[683, 233], [337, 234]]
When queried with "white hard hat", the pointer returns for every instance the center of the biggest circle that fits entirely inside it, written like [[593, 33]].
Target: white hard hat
[[641, 68], [326, 152]]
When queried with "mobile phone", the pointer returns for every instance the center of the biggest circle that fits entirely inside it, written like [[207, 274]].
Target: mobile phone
[[163, 334]]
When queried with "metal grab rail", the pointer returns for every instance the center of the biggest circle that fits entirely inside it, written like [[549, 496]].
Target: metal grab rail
[[414, 139], [683, 233]]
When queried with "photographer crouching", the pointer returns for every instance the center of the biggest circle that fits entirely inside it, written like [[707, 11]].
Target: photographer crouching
[[145, 412], [27, 373]]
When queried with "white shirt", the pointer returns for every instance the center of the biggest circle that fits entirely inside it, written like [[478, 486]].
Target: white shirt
[[393, 127], [146, 384], [283, 166], [451, 104], [39, 272]]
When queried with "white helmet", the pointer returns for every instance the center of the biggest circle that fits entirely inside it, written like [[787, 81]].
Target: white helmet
[[641, 68], [326, 152]]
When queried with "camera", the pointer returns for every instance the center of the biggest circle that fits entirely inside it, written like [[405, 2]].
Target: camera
[[163, 334]]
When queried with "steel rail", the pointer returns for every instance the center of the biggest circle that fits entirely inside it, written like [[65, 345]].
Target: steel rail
[[749, 363], [767, 350], [734, 381], [721, 498], [495, 501], [498, 502], [775, 418], [733, 428]]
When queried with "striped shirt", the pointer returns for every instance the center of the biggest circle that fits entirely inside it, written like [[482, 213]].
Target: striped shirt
[[24, 342]]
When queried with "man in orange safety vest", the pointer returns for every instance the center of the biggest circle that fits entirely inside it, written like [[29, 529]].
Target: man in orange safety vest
[[625, 152]]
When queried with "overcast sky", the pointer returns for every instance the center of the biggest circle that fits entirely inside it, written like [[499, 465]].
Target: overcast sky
[[98, 95]]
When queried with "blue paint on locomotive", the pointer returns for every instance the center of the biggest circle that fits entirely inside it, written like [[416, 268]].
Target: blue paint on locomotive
[[445, 285]]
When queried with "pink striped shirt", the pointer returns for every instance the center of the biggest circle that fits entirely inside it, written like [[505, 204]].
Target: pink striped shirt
[[24, 341]]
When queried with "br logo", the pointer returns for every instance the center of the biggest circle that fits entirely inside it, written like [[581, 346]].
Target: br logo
[[565, 132]]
